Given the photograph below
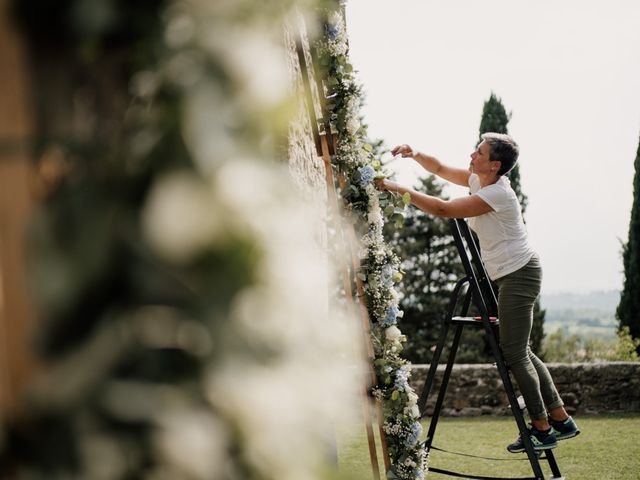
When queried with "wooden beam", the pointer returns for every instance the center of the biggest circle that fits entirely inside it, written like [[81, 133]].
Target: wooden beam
[[16, 128]]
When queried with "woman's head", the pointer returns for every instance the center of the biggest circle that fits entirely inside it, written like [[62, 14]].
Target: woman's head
[[503, 149]]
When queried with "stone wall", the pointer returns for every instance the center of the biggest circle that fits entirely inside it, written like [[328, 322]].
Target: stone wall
[[586, 388], [306, 167]]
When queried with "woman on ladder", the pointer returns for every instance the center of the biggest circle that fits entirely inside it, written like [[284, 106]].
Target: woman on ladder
[[494, 214]]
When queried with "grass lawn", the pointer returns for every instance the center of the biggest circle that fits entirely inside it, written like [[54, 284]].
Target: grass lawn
[[607, 448]]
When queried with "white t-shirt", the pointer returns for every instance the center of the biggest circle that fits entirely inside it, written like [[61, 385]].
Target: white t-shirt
[[502, 234]]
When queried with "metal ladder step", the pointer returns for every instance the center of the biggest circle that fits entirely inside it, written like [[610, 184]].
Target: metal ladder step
[[474, 320]]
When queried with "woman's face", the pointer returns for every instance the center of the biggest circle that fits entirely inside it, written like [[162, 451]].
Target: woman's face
[[480, 163]]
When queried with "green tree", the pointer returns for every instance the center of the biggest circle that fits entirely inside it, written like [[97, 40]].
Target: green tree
[[628, 311], [496, 119]]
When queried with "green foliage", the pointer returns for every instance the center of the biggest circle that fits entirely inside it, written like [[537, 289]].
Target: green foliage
[[628, 311], [569, 348]]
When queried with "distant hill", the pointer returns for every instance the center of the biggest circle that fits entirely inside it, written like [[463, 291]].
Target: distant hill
[[600, 300], [587, 314]]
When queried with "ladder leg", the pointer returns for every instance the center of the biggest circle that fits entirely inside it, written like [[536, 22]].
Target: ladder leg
[[553, 465], [443, 386], [485, 300], [453, 302], [426, 390], [513, 402]]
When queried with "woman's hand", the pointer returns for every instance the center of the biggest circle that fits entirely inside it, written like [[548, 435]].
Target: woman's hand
[[384, 184], [404, 150]]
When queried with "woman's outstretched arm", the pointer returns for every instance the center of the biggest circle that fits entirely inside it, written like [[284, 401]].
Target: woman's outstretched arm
[[463, 207], [459, 176]]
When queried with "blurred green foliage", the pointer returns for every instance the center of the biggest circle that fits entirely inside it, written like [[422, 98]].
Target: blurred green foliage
[[570, 348]]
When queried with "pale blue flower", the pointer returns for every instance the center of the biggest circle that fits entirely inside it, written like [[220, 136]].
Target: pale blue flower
[[365, 175], [387, 276], [414, 435], [332, 31], [390, 317], [402, 378]]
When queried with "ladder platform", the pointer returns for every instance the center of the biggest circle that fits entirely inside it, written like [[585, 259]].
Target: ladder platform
[[474, 320]]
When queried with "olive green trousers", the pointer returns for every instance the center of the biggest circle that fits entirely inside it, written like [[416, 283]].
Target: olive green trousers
[[517, 293]]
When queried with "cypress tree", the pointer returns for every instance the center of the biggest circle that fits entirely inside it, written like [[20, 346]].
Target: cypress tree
[[495, 119], [628, 311]]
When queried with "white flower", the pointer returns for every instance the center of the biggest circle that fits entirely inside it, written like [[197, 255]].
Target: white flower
[[353, 105], [180, 218], [393, 334], [374, 217], [335, 19], [193, 442], [413, 411], [409, 462], [412, 398], [257, 61], [353, 124]]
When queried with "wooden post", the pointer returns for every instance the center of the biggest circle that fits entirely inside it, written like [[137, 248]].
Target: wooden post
[[16, 129], [346, 282]]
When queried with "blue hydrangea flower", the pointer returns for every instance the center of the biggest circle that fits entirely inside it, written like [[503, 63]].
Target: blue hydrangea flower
[[402, 378], [414, 435], [365, 175], [387, 276], [332, 32], [390, 318]]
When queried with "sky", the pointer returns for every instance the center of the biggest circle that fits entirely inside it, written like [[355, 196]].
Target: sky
[[569, 73]]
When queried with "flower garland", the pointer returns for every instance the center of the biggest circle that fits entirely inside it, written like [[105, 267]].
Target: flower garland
[[379, 265]]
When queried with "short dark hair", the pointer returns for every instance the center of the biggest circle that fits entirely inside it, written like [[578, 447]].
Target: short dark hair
[[503, 149]]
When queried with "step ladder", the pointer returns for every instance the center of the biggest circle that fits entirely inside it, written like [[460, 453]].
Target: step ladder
[[475, 287]]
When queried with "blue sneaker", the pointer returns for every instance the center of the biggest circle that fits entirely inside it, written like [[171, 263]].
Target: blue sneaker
[[541, 441], [564, 429]]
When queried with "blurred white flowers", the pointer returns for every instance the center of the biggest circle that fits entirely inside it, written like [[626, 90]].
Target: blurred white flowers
[[280, 378], [180, 217], [353, 125], [194, 443]]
